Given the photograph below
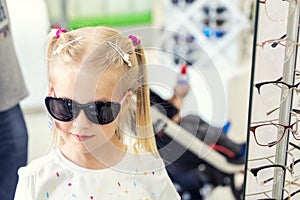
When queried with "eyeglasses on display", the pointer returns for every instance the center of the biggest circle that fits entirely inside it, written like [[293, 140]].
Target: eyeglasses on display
[[274, 47], [217, 22], [269, 134], [279, 10], [279, 89], [218, 10], [265, 174], [176, 2], [209, 32], [288, 195]]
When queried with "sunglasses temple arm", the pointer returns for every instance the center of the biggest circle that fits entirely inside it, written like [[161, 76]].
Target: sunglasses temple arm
[[126, 96], [268, 180], [271, 111], [291, 195], [294, 145], [271, 144]]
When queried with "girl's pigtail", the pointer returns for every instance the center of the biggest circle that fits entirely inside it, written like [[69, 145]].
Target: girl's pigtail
[[145, 133]]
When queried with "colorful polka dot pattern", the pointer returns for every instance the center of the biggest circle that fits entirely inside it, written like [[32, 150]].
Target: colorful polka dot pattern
[[124, 191]]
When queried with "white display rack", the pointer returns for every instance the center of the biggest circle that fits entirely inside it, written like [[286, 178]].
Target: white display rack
[[287, 68], [184, 18]]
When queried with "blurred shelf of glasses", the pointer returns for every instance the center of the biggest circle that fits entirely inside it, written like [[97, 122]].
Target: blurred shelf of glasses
[[214, 37]]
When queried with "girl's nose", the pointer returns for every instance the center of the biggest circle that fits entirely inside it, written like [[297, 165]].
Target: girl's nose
[[81, 121]]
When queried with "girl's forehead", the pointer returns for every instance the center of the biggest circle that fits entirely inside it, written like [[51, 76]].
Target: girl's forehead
[[84, 85], [77, 73]]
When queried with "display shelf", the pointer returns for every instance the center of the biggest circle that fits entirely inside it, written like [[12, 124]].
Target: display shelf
[[185, 19], [274, 140]]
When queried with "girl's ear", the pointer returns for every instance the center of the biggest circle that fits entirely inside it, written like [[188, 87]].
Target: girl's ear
[[51, 90]]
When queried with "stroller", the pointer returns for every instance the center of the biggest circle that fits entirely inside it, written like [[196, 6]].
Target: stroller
[[194, 164]]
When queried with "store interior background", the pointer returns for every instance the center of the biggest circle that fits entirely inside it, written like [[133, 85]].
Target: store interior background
[[230, 55]]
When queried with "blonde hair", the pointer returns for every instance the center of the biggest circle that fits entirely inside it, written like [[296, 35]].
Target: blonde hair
[[88, 47]]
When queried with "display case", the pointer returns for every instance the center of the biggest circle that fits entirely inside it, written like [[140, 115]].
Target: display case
[[272, 170]]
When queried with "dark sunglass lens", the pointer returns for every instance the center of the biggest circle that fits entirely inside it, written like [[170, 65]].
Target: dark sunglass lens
[[205, 9], [219, 34], [189, 1], [104, 112], [274, 44], [176, 38], [175, 1], [221, 9], [220, 22], [206, 21], [190, 39], [60, 109], [208, 32]]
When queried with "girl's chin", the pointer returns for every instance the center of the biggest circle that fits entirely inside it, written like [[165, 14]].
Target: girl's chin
[[78, 148], [87, 145]]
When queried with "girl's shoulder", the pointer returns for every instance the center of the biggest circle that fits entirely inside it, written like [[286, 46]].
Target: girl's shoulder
[[133, 162], [140, 162], [40, 164]]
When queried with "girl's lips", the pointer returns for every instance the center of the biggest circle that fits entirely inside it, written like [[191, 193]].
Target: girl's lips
[[82, 137]]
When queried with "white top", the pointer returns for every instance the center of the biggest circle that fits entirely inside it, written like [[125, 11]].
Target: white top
[[135, 177]]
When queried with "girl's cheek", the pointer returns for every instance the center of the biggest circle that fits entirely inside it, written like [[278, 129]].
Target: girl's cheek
[[63, 126]]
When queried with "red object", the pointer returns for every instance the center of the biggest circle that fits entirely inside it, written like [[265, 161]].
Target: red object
[[183, 69], [182, 77], [56, 26], [224, 150]]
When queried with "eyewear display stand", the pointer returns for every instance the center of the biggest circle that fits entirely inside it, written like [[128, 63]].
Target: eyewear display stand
[[285, 108], [285, 115], [213, 24]]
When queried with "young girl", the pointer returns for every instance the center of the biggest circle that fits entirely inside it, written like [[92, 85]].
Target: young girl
[[99, 101]]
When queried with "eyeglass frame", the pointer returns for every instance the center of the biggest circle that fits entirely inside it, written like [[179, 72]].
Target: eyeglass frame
[[286, 127], [290, 168], [270, 198], [278, 41], [294, 146], [265, 3], [260, 84], [275, 82]]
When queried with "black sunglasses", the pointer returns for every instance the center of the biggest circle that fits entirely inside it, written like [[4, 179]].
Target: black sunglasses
[[219, 10], [97, 112]]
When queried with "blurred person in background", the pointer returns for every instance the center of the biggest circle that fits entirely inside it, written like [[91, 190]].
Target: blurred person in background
[[13, 131]]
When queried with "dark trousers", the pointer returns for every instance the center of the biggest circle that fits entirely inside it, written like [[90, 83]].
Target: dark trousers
[[188, 180], [13, 150]]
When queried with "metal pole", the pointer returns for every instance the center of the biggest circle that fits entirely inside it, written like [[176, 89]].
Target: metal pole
[[285, 107], [64, 18]]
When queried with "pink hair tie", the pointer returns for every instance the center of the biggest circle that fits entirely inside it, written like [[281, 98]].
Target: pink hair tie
[[59, 31], [135, 40]]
